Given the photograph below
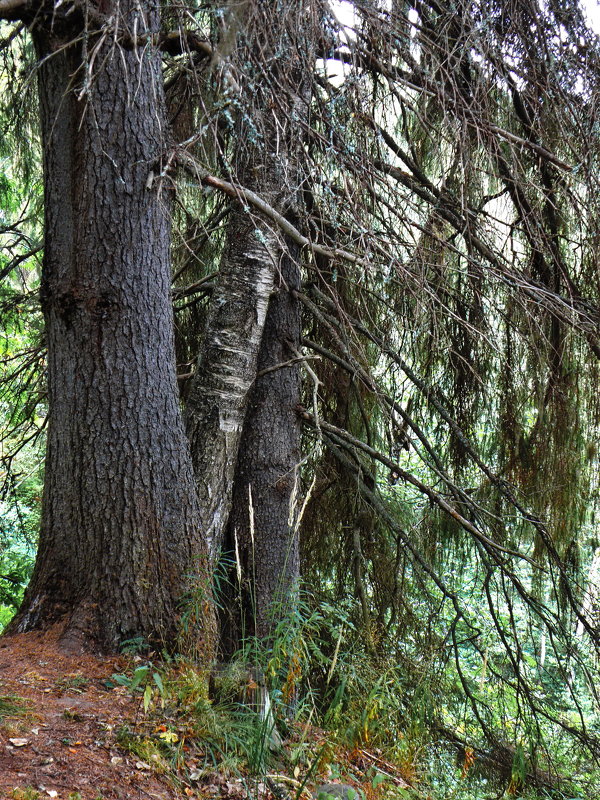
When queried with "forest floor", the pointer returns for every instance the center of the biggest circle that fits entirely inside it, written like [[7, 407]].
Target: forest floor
[[59, 739], [69, 731]]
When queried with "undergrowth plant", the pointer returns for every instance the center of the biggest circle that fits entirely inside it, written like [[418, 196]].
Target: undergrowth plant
[[12, 706], [334, 710]]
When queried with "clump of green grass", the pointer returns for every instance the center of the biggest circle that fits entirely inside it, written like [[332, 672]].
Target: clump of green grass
[[147, 749], [28, 793], [12, 706], [76, 683]]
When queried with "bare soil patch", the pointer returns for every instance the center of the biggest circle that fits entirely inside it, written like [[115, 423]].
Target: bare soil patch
[[63, 743]]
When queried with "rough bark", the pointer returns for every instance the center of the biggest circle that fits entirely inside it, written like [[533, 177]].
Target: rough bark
[[261, 533], [120, 532], [256, 260], [227, 364]]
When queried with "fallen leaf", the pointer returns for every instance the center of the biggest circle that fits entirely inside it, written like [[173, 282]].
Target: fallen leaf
[[19, 742], [51, 793], [116, 760], [142, 765]]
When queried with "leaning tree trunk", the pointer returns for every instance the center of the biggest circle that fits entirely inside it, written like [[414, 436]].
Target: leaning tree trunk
[[262, 535], [226, 367], [120, 529], [227, 364]]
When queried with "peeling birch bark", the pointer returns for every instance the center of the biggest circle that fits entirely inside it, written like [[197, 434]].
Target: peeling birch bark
[[227, 366]]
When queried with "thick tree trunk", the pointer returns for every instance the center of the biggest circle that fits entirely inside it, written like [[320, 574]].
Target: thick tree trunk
[[120, 531], [261, 533]]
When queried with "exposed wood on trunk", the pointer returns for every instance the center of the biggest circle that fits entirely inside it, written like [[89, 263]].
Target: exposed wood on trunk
[[227, 365], [254, 256]]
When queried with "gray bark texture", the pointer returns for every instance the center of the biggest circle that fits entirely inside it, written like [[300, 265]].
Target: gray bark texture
[[226, 366], [120, 533], [252, 262], [262, 533], [260, 543]]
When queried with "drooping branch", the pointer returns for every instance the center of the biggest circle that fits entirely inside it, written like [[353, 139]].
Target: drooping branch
[[253, 199]]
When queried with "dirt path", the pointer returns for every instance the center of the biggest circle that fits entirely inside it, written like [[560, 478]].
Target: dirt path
[[61, 742]]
